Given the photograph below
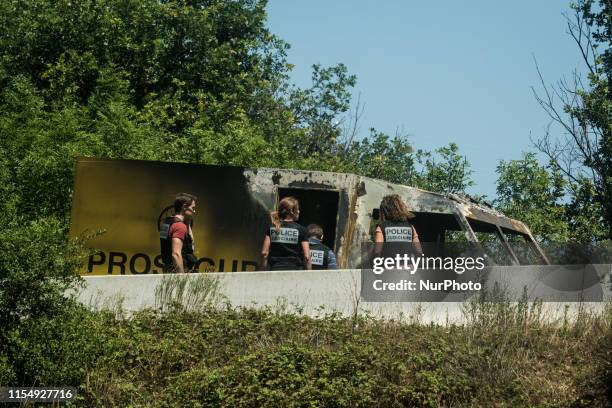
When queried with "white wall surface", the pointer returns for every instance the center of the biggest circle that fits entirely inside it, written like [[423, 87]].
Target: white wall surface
[[310, 292]]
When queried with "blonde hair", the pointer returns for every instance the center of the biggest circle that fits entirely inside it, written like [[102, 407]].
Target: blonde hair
[[288, 207]]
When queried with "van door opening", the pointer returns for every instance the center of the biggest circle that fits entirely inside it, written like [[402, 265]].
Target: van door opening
[[316, 207]]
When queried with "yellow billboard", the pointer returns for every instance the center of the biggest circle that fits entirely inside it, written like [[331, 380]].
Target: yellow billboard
[[125, 198]]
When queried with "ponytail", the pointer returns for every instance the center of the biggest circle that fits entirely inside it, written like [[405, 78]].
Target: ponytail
[[288, 207], [275, 220]]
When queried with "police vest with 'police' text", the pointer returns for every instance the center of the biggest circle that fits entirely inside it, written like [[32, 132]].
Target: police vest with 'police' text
[[319, 255], [286, 245], [166, 245], [400, 231]]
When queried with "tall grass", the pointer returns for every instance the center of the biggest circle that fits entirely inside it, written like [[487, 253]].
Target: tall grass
[[188, 292]]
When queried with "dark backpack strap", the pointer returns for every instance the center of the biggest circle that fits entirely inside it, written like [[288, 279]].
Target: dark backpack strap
[[161, 215], [326, 257]]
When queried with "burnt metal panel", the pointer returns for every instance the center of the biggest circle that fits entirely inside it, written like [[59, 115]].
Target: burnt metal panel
[[248, 194]]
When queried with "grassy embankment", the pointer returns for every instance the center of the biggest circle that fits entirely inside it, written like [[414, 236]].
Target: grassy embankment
[[504, 355]]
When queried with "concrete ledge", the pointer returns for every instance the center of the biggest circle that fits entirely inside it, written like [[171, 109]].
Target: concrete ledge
[[310, 292]]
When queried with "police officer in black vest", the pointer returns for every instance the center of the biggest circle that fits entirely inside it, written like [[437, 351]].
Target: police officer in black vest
[[285, 245], [176, 236], [395, 228], [321, 256]]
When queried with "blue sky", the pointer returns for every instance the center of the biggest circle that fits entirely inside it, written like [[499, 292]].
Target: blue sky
[[442, 72]]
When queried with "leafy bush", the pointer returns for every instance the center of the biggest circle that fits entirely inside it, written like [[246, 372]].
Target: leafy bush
[[36, 267], [247, 357]]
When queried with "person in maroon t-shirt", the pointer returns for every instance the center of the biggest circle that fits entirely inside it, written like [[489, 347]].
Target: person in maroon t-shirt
[[176, 237]]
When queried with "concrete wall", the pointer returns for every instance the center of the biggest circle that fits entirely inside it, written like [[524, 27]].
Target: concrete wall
[[311, 292]]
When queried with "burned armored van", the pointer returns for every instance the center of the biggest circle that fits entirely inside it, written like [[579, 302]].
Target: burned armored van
[[124, 201]]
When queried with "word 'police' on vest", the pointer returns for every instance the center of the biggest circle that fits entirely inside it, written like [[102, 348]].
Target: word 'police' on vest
[[317, 257], [284, 235], [398, 234]]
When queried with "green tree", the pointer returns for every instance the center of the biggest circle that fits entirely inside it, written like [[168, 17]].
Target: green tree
[[533, 194], [585, 215], [582, 108], [316, 110], [172, 80], [202, 54], [381, 156], [444, 170]]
